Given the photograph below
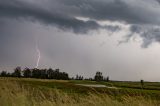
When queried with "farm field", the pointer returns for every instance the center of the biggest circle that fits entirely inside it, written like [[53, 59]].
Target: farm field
[[43, 92]]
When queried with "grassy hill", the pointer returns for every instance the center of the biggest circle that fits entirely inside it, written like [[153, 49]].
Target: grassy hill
[[35, 92]]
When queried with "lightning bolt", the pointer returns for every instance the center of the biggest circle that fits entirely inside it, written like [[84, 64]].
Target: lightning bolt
[[38, 53]]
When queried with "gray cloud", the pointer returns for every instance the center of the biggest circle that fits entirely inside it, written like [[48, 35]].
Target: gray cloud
[[149, 34], [63, 13], [20, 9], [131, 11], [143, 21]]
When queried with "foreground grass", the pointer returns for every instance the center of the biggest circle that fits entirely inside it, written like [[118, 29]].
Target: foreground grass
[[32, 92]]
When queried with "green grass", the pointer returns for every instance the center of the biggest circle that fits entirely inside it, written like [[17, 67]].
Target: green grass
[[124, 88], [35, 92]]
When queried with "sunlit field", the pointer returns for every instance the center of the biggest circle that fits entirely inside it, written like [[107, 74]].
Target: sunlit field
[[38, 92]]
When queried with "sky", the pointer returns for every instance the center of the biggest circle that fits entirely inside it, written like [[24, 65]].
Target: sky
[[120, 38]]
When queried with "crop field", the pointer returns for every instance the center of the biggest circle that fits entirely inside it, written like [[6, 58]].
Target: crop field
[[42, 92]]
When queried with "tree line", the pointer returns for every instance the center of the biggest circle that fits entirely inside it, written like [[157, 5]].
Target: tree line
[[36, 73], [49, 74]]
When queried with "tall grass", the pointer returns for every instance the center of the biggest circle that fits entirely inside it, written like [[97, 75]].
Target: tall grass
[[13, 93]]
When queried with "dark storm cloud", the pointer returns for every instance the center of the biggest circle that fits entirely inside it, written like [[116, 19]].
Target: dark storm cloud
[[149, 34], [141, 15], [63, 13], [20, 9], [131, 11], [158, 1]]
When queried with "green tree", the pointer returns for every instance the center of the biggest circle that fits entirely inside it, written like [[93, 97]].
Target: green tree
[[3, 74], [36, 73], [17, 72], [43, 73], [27, 73], [107, 79], [98, 76], [50, 73]]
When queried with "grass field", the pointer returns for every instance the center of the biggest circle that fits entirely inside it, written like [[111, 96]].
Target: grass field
[[40, 92]]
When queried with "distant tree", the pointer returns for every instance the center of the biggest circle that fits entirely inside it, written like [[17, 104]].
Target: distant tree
[[65, 76], [91, 79], [56, 74], [79, 77], [107, 79], [17, 72], [9, 74], [142, 84], [98, 76], [50, 73], [57, 70], [3, 74], [36, 73], [72, 78], [27, 73], [43, 73]]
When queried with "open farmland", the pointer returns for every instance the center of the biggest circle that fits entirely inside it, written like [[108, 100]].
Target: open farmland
[[28, 92]]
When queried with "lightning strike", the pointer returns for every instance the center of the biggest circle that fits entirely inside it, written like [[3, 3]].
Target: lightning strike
[[38, 54]]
